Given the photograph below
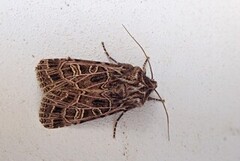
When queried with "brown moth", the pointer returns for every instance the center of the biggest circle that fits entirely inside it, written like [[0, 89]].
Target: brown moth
[[76, 91]]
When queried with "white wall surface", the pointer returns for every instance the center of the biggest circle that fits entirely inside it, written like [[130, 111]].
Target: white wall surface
[[195, 53]]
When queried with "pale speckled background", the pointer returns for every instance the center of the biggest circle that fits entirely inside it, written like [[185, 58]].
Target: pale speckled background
[[195, 53]]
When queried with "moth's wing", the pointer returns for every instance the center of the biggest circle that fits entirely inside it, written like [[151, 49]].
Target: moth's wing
[[49, 76], [61, 108], [75, 73]]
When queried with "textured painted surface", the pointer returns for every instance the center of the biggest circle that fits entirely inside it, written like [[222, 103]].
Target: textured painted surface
[[195, 52]]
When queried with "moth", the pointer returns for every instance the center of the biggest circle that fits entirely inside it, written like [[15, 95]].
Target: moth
[[76, 91]]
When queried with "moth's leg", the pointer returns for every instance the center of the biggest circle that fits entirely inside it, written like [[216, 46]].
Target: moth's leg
[[109, 57], [156, 99], [145, 63], [116, 122]]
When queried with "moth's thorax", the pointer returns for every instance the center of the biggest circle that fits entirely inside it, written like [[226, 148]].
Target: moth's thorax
[[139, 86]]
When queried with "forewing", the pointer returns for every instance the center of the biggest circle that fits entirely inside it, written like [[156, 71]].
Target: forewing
[[61, 108], [76, 74]]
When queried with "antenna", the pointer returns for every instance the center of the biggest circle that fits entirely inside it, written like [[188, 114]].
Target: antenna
[[165, 112], [160, 98], [142, 50]]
